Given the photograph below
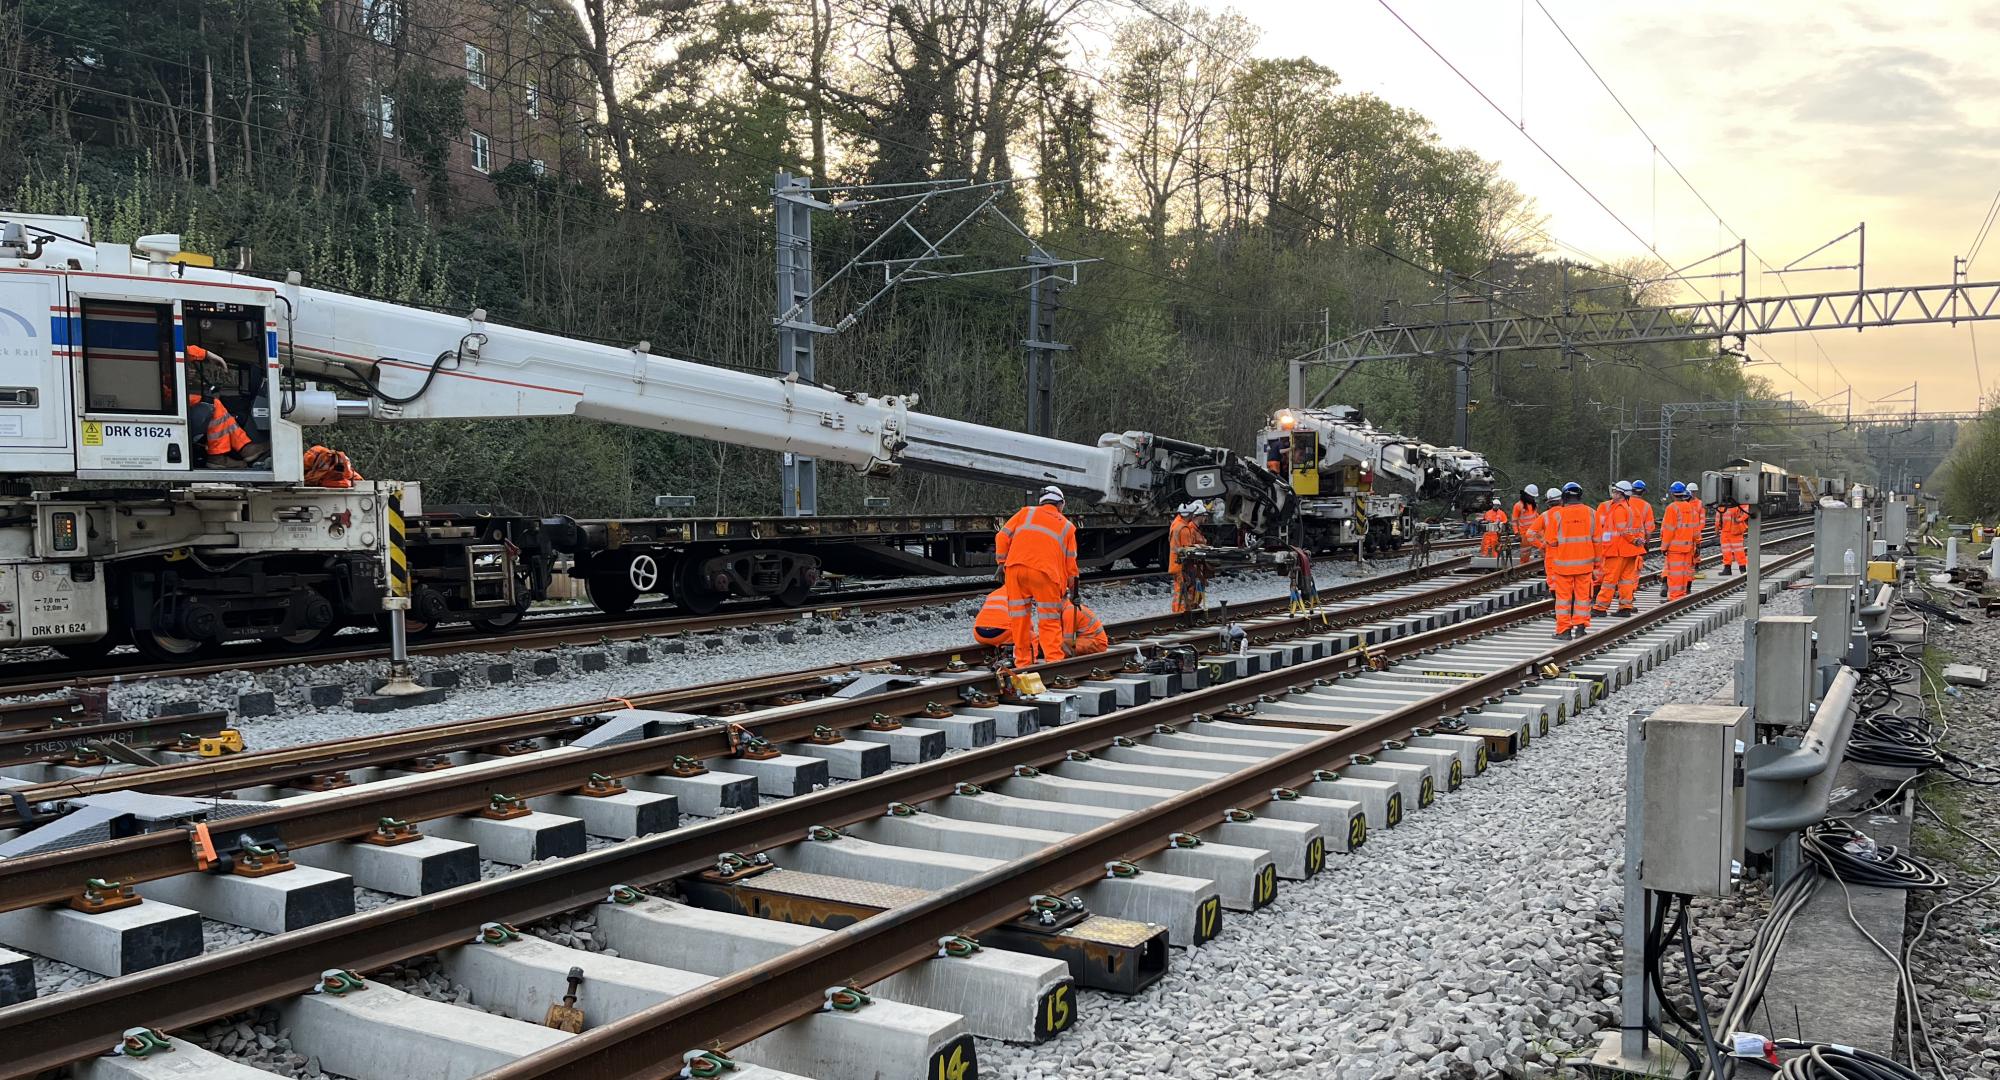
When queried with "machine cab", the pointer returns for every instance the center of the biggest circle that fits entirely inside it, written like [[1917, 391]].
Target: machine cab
[[140, 376]]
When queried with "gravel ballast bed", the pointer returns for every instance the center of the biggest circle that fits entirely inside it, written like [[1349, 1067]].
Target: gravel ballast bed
[[1479, 937]]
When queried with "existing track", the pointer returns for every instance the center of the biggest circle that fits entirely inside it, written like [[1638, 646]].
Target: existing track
[[740, 1006]]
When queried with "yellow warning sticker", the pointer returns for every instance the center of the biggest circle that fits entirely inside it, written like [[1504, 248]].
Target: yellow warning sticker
[[93, 433]]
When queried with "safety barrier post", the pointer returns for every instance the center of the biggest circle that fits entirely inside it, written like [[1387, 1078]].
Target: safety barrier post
[[396, 562]]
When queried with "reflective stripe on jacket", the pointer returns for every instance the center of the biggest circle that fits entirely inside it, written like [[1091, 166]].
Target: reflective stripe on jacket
[[1041, 538], [1681, 528], [1618, 529], [1527, 523], [1733, 523], [995, 623], [224, 435], [1569, 530]]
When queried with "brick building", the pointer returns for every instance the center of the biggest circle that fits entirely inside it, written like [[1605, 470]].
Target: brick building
[[527, 97]]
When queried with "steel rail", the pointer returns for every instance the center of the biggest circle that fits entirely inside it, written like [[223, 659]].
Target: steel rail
[[754, 1001], [53, 876], [77, 1025], [48, 1033], [218, 775], [591, 627]]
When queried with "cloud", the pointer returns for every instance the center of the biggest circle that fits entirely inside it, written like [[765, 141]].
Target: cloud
[[1879, 87]]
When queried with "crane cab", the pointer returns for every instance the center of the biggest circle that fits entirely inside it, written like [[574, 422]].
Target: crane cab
[[96, 380]]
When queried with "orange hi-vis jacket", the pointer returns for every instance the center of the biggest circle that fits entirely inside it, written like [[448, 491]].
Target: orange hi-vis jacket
[[328, 468], [1733, 523], [224, 435], [1493, 517], [1040, 538], [1569, 530], [1648, 518], [1681, 527], [1528, 523], [993, 625], [1185, 532], [1620, 529], [1085, 633]]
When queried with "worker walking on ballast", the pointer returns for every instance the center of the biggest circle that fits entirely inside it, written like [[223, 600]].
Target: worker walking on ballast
[[1190, 578], [1649, 523], [1732, 526], [1569, 531], [1680, 536], [1037, 551], [1492, 523], [1527, 520], [1621, 543]]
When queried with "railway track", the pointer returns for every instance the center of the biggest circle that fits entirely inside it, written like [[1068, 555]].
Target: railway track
[[45, 676], [1259, 763], [25, 677]]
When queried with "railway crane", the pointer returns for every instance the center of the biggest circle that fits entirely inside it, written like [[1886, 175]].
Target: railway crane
[[122, 529], [1333, 458]]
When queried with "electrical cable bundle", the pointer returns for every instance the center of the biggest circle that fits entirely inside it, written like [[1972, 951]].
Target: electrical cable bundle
[[1852, 858], [1825, 1061]]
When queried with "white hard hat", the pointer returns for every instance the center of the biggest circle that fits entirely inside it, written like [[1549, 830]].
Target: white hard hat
[[1496, 502], [1624, 486], [1051, 494], [1532, 492]]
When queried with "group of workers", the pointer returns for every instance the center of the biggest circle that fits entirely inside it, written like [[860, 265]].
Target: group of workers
[[1592, 555], [1036, 609]]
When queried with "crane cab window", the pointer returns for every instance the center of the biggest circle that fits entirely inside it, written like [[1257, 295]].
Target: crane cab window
[[128, 357]]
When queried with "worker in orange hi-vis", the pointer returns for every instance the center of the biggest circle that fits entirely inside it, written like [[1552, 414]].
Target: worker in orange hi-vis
[[1680, 537], [1649, 523], [1527, 519], [1492, 522], [1037, 550], [1732, 526], [1083, 633], [1619, 543], [1554, 495], [993, 626], [222, 442], [1569, 531], [1190, 578]]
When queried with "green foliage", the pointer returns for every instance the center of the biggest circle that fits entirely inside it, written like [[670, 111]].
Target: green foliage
[[1970, 476], [1245, 210]]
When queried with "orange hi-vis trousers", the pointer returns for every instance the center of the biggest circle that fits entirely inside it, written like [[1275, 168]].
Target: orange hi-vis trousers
[[1679, 569], [1035, 604], [1621, 582], [1734, 551], [1572, 600]]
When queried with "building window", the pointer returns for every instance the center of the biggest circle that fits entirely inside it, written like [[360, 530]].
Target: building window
[[482, 153], [538, 166], [533, 103], [379, 18], [384, 113], [475, 66]]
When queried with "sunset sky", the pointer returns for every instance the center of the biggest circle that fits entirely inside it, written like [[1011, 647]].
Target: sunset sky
[[1796, 119]]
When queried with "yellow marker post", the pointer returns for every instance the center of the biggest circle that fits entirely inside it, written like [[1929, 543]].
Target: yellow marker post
[[396, 564]]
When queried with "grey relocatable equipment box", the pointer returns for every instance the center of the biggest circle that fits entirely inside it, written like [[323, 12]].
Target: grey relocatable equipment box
[[1692, 830]]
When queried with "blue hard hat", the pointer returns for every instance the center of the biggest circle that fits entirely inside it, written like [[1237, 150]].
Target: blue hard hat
[[1572, 488], [1678, 488], [1638, 485]]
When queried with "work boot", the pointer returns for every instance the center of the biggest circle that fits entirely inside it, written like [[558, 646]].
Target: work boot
[[1727, 569], [1626, 612]]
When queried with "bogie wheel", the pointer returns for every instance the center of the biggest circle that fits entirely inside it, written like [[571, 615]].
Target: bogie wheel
[[694, 594], [499, 622], [310, 638], [797, 592], [158, 645], [619, 581]]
